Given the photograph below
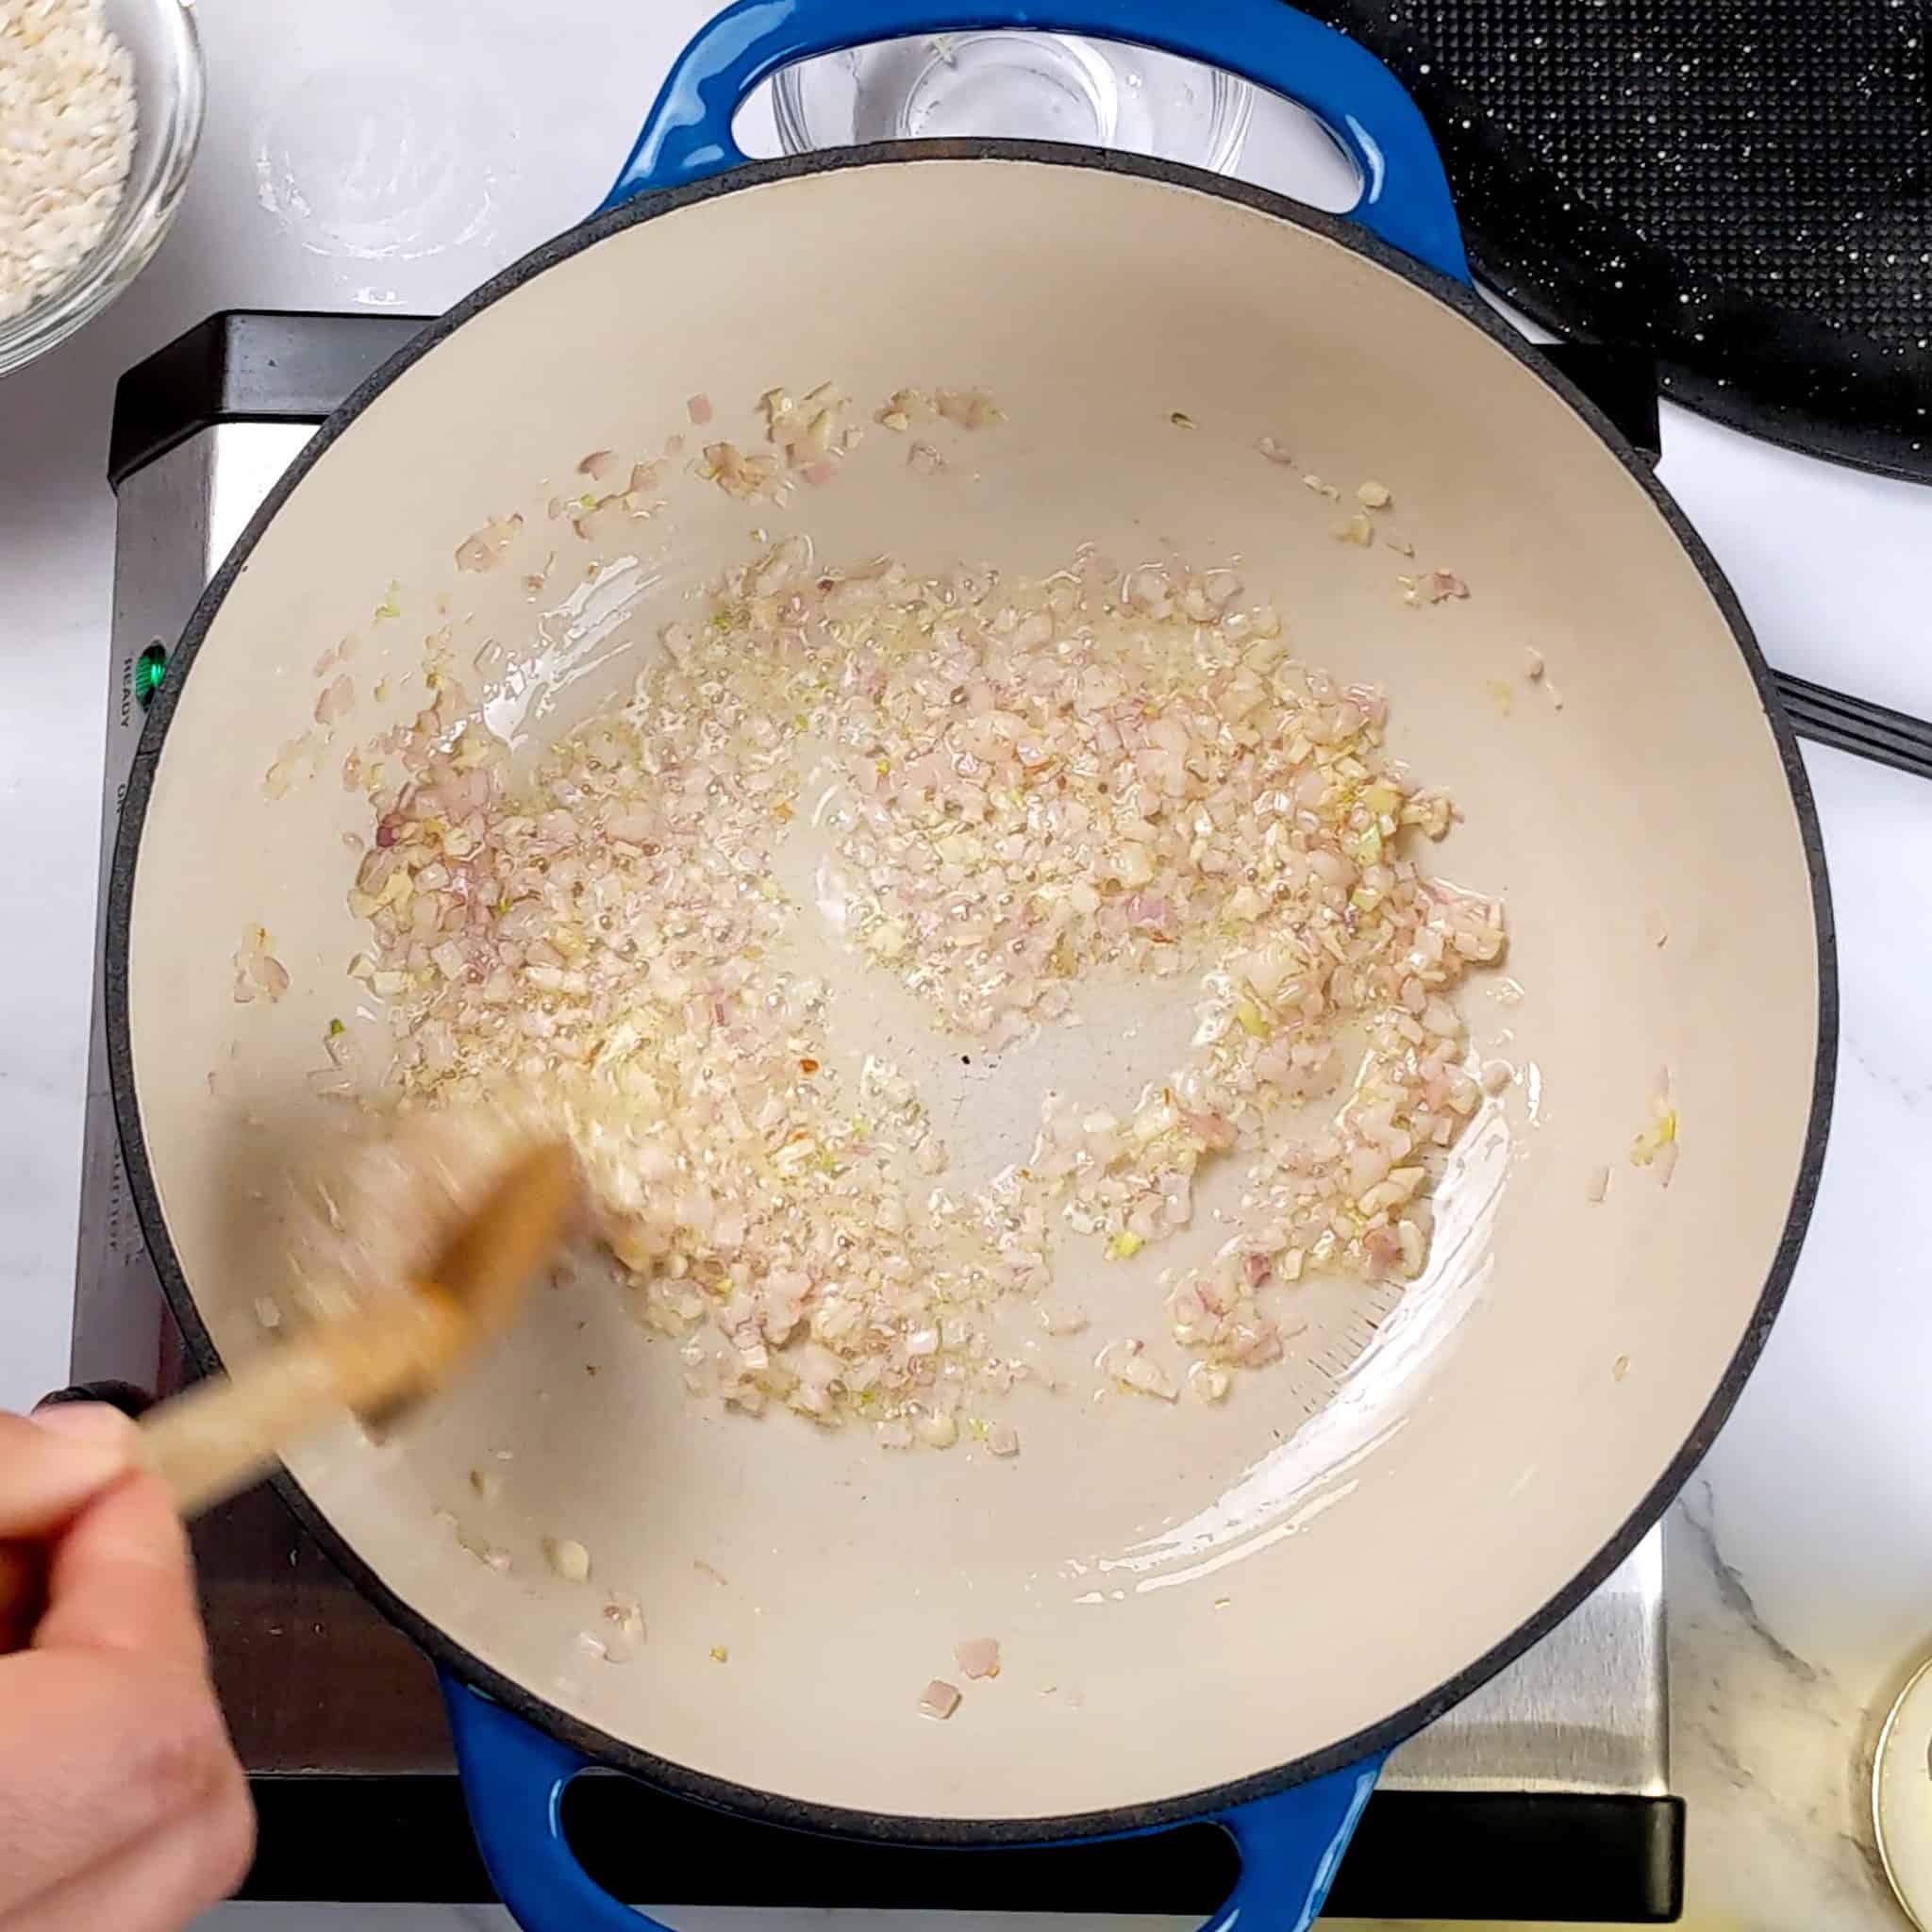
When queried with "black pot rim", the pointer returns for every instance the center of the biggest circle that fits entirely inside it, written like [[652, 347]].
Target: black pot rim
[[800, 1814]]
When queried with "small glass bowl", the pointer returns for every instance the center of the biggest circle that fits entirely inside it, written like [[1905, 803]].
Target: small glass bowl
[[168, 87], [1030, 86]]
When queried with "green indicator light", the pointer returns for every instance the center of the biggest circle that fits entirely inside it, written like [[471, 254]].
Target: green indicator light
[[149, 669]]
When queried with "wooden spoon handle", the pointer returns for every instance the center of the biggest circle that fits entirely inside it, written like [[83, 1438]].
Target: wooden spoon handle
[[216, 1439]]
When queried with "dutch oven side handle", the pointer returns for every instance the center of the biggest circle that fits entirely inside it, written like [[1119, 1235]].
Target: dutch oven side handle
[[514, 1778], [513, 1781], [1405, 199], [1291, 1848]]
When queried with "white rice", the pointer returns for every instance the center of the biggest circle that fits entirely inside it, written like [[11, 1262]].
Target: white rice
[[67, 122]]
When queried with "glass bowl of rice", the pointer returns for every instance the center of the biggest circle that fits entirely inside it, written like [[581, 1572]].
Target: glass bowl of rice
[[100, 105]]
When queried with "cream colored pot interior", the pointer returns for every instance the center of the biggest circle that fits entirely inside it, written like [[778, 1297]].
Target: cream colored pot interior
[[1184, 1595]]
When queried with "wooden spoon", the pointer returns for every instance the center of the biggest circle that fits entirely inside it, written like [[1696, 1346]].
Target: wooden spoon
[[218, 1437]]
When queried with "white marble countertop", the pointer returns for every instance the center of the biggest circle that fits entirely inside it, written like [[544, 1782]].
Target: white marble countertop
[[367, 155]]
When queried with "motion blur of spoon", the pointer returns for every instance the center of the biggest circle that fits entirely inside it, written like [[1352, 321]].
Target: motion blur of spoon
[[379, 1356]]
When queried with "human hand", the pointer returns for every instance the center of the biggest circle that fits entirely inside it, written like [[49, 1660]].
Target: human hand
[[121, 1804]]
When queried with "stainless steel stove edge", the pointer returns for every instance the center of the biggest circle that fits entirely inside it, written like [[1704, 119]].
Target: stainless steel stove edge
[[177, 518]]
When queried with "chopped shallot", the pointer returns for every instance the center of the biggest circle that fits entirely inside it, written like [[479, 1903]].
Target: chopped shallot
[[336, 702], [485, 549], [257, 971], [735, 474], [1128, 1367], [939, 1699], [970, 409], [908, 407], [570, 1560], [977, 1656], [1209, 1382], [1109, 773]]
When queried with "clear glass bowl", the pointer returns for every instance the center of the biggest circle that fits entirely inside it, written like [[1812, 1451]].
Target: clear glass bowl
[[168, 86], [1032, 85]]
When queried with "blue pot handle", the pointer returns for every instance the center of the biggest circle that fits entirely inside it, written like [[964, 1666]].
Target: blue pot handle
[[1291, 1848], [514, 1776], [1404, 197], [513, 1780]]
